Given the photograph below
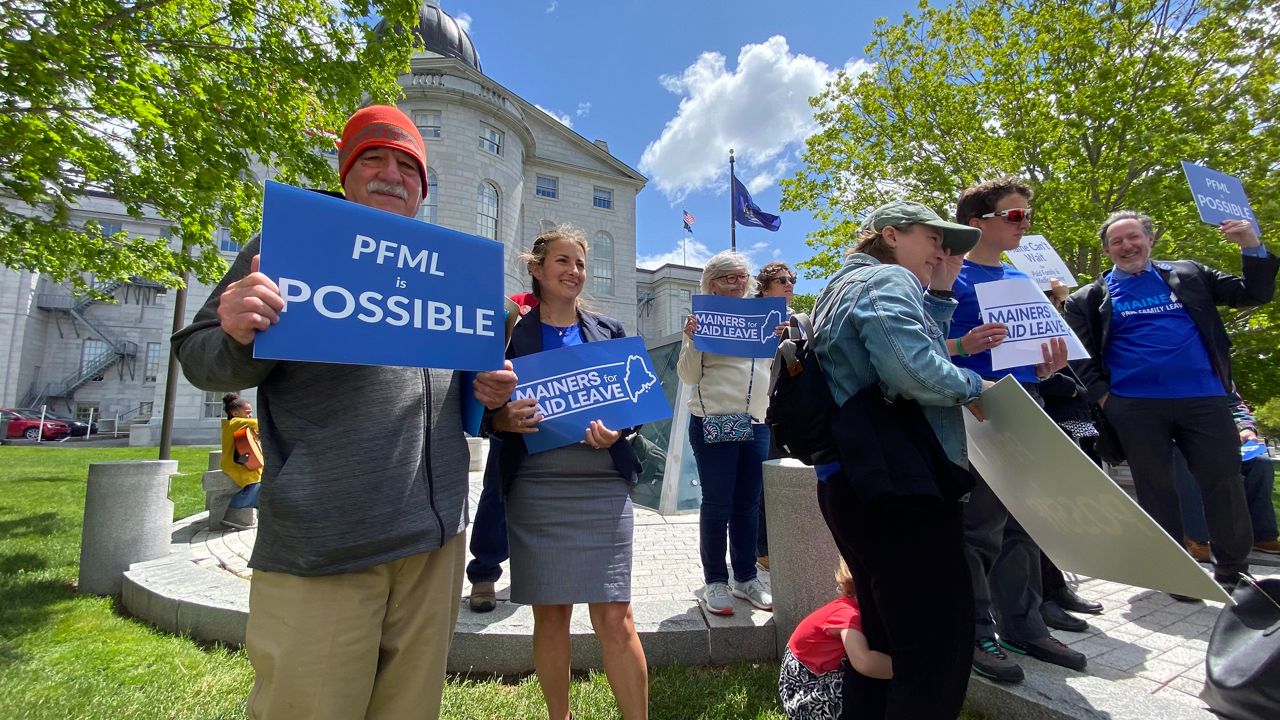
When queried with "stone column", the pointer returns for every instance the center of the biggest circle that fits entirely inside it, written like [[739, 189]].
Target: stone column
[[802, 555], [127, 519], [218, 490]]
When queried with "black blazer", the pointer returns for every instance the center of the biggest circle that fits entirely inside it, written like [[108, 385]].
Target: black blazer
[[1201, 289], [526, 339]]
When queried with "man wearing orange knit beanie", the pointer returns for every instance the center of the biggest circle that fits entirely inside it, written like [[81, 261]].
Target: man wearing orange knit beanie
[[357, 566]]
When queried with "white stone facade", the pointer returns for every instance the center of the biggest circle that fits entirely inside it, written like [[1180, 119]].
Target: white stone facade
[[664, 299], [43, 347]]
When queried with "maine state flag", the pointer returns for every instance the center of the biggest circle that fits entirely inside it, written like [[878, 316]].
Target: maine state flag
[[746, 212]]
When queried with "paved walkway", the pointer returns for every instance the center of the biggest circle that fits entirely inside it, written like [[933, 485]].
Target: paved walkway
[[1146, 651], [666, 563]]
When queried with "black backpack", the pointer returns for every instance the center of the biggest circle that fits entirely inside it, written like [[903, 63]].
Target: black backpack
[[800, 404]]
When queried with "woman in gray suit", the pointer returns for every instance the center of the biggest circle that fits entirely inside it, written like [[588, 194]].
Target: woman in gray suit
[[569, 515]]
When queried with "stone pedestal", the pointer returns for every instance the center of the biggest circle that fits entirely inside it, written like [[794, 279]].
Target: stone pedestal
[[219, 488], [479, 449], [127, 519], [802, 555]]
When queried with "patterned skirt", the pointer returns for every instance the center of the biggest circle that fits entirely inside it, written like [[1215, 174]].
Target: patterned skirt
[[807, 696]]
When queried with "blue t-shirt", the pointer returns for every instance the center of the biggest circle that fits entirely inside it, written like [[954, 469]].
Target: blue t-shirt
[[1153, 348], [967, 318], [557, 337]]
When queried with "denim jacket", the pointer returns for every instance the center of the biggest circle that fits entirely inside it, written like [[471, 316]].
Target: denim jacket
[[873, 324]]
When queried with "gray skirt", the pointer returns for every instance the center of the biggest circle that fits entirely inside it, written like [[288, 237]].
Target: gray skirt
[[569, 525]]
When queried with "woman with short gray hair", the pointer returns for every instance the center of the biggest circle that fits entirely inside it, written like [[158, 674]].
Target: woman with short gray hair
[[732, 394]]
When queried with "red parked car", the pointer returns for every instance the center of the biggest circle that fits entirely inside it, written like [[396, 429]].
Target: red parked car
[[22, 424]]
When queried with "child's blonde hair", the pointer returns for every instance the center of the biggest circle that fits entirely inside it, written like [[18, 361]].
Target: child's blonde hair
[[844, 579]]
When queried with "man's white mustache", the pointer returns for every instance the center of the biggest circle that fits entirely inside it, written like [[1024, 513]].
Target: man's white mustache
[[377, 186]]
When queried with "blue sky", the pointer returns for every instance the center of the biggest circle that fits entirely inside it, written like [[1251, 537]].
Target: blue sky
[[671, 86]]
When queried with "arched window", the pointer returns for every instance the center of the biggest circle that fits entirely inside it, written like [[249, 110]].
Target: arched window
[[602, 265], [487, 211], [427, 210]]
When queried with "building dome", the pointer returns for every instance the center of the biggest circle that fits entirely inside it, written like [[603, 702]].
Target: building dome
[[442, 35]]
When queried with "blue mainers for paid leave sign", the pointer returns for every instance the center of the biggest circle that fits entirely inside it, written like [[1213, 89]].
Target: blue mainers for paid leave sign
[[1219, 196], [612, 381], [741, 327], [366, 287]]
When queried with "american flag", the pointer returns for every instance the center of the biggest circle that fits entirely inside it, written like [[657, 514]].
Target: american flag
[[688, 220]]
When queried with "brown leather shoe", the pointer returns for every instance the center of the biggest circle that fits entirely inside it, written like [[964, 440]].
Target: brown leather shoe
[[1197, 550], [1268, 546], [483, 598], [763, 562]]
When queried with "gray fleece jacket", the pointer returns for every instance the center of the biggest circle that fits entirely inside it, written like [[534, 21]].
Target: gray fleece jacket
[[364, 465]]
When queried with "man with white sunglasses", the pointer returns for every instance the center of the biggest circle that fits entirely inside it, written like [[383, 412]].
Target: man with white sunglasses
[[1004, 562]]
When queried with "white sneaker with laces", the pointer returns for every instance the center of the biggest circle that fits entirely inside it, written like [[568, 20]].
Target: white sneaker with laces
[[716, 599], [754, 592]]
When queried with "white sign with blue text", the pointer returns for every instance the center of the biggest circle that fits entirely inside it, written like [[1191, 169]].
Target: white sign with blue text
[[1037, 258], [1219, 196], [367, 287], [741, 327], [612, 381], [1031, 319]]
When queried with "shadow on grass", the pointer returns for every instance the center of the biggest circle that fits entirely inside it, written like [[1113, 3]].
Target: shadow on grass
[[14, 563], [45, 523], [27, 606]]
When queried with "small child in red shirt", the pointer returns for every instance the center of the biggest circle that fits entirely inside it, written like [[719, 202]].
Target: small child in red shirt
[[824, 649]]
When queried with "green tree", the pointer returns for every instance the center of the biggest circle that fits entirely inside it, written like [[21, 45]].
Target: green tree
[[803, 302], [1094, 102], [170, 106]]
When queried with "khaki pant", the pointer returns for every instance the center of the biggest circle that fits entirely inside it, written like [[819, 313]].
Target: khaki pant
[[365, 644]]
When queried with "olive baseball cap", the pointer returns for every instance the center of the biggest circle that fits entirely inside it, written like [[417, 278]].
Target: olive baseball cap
[[959, 239]]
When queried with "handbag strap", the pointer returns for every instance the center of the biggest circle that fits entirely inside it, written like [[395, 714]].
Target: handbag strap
[[702, 360]]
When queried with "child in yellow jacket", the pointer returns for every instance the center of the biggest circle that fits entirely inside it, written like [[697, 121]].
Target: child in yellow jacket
[[241, 460]]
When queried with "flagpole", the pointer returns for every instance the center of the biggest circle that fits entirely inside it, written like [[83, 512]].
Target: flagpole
[[733, 226]]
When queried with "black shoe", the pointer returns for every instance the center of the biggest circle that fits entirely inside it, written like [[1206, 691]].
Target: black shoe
[[1068, 600], [1228, 580], [1048, 650], [1058, 619], [1184, 598], [990, 662]]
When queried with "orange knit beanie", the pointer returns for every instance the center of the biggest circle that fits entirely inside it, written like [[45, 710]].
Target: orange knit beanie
[[380, 126]]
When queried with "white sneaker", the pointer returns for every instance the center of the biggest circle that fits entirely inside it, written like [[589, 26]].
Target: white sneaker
[[753, 592], [716, 599]]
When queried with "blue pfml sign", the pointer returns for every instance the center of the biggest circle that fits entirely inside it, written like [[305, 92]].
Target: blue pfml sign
[[741, 327], [367, 287], [1219, 196], [612, 381]]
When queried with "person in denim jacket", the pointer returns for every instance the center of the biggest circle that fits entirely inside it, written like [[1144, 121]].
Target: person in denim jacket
[[876, 324]]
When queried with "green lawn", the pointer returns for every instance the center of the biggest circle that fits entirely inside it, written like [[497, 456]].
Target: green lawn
[[65, 656]]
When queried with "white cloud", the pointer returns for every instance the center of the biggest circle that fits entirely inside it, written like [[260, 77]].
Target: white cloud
[[760, 109], [464, 22], [584, 109], [552, 7], [687, 251], [563, 118]]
